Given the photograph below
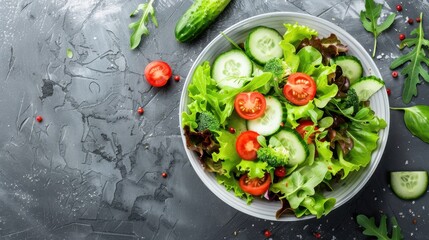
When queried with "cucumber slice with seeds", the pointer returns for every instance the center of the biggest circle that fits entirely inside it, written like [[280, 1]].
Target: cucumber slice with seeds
[[262, 44], [232, 69], [294, 143], [367, 86], [409, 185], [270, 122]]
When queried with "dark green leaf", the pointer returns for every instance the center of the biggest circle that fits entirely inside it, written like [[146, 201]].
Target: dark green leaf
[[371, 229], [139, 27], [414, 70], [369, 18], [416, 119]]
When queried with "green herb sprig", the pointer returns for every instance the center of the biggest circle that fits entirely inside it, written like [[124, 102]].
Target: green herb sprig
[[371, 228], [139, 27], [416, 58], [369, 18]]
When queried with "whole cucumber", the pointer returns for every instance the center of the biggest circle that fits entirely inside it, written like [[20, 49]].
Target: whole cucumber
[[198, 17]]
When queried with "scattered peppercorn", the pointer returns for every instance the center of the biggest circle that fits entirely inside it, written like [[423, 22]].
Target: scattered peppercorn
[[399, 7], [418, 19], [401, 36], [280, 172], [164, 174], [388, 91], [395, 74], [39, 118], [176, 78], [232, 130], [140, 110], [267, 233], [410, 21], [414, 221], [317, 235], [282, 124]]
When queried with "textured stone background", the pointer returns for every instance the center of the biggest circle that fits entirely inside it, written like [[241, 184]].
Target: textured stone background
[[92, 169]]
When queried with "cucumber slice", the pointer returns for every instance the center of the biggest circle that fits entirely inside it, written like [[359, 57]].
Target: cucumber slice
[[409, 185], [232, 69], [270, 122], [262, 44], [351, 67], [367, 86], [293, 142]]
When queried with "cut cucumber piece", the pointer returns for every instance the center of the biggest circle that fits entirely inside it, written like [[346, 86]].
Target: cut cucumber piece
[[294, 143], [270, 122], [232, 69], [351, 67], [367, 86], [262, 44], [409, 185]]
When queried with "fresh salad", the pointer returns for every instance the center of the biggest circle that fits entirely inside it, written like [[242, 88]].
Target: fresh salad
[[283, 118]]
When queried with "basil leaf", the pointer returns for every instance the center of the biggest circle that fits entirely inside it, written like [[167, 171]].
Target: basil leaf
[[416, 119]]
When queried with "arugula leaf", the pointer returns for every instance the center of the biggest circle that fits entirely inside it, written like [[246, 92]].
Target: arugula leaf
[[139, 27], [414, 70], [369, 19], [380, 232], [416, 119]]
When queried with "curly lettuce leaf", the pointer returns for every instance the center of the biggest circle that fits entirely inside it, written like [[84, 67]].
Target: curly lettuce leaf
[[231, 184], [254, 169], [295, 33], [325, 91], [316, 205], [290, 57], [301, 183], [227, 153], [294, 113]]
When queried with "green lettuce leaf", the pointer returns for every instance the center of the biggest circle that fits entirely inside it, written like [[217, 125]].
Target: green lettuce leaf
[[231, 184], [227, 152], [290, 57], [325, 92], [309, 58], [254, 169], [295, 33], [301, 183], [294, 113], [316, 205]]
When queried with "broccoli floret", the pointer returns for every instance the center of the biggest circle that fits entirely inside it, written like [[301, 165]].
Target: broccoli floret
[[275, 154], [351, 100], [206, 120], [277, 67]]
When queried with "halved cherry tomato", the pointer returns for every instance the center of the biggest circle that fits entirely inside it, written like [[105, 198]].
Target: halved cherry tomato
[[247, 145], [300, 88], [255, 186], [157, 73], [250, 105], [301, 130]]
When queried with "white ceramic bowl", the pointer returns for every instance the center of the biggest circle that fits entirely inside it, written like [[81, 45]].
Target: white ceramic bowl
[[379, 103]]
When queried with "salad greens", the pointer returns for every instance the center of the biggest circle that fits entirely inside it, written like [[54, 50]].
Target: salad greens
[[369, 19], [417, 120], [139, 27], [416, 58], [341, 138], [381, 232]]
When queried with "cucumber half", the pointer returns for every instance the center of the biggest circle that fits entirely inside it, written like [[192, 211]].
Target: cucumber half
[[262, 44], [409, 185], [367, 86], [232, 69]]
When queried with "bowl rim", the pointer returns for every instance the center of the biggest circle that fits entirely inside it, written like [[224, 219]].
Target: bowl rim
[[381, 144]]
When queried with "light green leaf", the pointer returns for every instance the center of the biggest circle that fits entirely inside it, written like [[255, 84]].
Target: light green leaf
[[139, 27]]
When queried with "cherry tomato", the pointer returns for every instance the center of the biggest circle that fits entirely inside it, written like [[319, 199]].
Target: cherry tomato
[[250, 105], [300, 88], [157, 73], [280, 172], [301, 130], [247, 145], [255, 186]]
